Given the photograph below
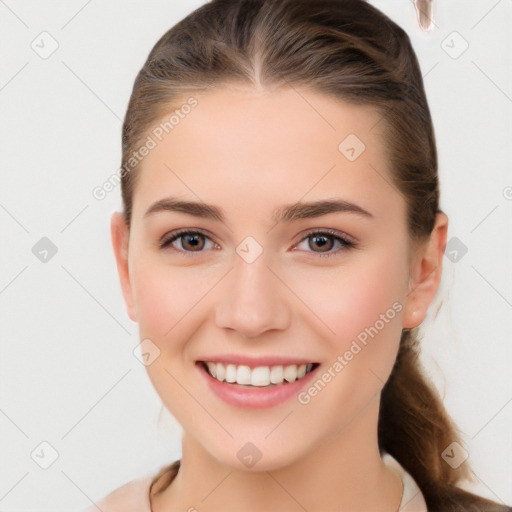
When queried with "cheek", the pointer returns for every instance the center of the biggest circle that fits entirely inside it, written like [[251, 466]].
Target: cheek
[[362, 302], [154, 303], [165, 303], [162, 298]]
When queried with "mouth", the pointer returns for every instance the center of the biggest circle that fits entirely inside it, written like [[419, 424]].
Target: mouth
[[243, 376]]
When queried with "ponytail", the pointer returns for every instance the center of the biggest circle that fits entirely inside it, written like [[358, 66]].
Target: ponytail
[[415, 429]]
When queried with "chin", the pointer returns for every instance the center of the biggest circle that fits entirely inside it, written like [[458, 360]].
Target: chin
[[254, 457]]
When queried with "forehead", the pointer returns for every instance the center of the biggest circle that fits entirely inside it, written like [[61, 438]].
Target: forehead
[[251, 149]]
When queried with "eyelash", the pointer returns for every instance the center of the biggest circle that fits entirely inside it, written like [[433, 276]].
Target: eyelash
[[346, 243]]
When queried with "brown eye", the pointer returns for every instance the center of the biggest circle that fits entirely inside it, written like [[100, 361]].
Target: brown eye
[[190, 241], [325, 241]]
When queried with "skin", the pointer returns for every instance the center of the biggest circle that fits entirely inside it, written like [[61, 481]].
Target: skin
[[251, 151]]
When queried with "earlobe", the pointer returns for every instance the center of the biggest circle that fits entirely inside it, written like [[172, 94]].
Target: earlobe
[[119, 232], [425, 275]]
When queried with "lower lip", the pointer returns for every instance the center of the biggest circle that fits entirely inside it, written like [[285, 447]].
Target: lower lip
[[255, 398]]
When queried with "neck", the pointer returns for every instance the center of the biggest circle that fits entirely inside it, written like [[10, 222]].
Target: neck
[[344, 473]]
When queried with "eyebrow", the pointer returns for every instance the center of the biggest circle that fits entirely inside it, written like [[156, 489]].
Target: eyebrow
[[287, 213]]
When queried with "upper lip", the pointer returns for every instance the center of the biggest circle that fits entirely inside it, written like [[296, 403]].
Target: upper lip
[[254, 362]]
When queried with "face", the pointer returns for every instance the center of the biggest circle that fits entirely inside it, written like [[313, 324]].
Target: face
[[247, 286]]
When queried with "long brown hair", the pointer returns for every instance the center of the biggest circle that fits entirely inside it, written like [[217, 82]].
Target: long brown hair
[[349, 50]]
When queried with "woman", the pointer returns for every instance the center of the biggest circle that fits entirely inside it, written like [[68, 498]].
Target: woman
[[280, 243]]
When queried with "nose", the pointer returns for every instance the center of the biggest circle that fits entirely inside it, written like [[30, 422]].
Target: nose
[[253, 300]]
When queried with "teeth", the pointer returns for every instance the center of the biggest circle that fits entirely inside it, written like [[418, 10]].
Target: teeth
[[260, 376], [276, 375], [243, 375], [230, 373], [212, 369], [290, 373], [220, 371]]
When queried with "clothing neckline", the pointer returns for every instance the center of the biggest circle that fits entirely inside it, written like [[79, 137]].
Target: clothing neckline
[[412, 498]]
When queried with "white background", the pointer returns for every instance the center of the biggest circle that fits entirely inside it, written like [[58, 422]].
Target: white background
[[68, 373]]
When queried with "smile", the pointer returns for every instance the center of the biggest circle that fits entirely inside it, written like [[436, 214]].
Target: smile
[[253, 384], [260, 376]]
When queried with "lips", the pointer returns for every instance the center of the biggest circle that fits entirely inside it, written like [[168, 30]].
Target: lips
[[254, 396]]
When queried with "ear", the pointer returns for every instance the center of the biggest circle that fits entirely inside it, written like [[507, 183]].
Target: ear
[[120, 234], [425, 274]]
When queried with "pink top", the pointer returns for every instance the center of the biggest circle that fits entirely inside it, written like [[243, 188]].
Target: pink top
[[134, 495]]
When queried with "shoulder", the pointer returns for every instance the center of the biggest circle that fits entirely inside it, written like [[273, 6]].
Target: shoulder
[[133, 496]]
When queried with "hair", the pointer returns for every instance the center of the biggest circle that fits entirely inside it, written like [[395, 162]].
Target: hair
[[351, 51]]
